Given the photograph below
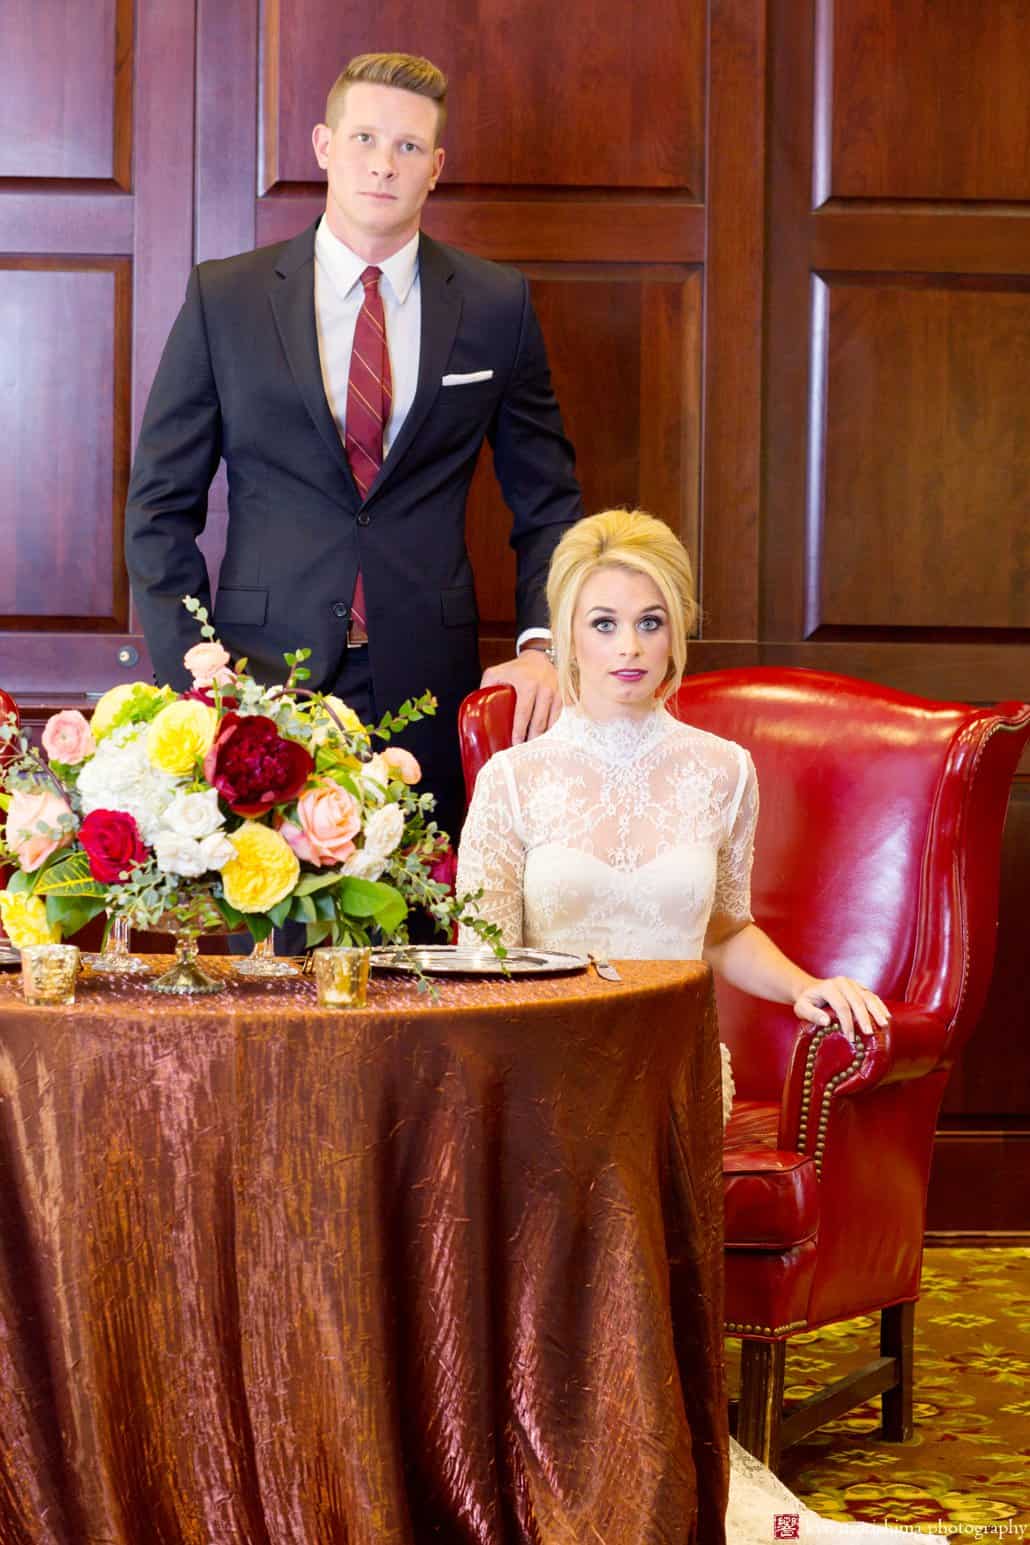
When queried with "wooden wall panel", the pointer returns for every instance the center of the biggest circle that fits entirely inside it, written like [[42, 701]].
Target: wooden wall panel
[[929, 100], [66, 91], [920, 490], [896, 488], [629, 339], [543, 95], [64, 456]]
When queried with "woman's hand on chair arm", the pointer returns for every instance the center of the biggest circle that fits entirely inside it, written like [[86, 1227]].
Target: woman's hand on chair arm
[[747, 958]]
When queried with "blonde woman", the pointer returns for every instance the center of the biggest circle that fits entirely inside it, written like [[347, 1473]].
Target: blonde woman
[[626, 833]]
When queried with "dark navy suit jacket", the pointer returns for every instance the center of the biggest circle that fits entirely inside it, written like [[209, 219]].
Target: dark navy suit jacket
[[240, 379]]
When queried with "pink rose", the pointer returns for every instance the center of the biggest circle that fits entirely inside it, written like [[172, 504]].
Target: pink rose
[[68, 738], [208, 663], [402, 764], [29, 810], [328, 819]]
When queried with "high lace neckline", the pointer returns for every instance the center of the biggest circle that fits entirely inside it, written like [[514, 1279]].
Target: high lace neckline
[[620, 740]]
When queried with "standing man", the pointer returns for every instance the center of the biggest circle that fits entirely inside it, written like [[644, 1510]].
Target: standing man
[[349, 378]]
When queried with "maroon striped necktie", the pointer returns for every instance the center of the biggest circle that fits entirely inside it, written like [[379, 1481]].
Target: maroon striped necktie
[[368, 410]]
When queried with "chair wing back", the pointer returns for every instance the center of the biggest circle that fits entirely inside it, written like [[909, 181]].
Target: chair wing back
[[485, 721], [879, 836]]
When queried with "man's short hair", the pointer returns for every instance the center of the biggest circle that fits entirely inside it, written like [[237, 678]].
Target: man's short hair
[[407, 72]]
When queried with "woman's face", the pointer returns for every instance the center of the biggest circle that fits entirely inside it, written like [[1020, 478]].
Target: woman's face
[[621, 643]]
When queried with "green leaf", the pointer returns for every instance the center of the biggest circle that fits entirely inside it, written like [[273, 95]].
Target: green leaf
[[310, 883], [19, 882], [69, 876], [303, 909], [69, 913], [280, 912], [260, 926], [232, 917], [316, 932], [370, 898]]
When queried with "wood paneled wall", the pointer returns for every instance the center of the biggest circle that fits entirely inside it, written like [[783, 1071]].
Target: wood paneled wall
[[781, 254]]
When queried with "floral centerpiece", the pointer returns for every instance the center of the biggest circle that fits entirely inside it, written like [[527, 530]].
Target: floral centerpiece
[[227, 805]]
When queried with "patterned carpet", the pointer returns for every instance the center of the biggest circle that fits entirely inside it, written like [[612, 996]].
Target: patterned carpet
[[966, 1474]]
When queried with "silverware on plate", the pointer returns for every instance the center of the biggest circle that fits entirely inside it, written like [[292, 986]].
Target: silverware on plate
[[604, 968]]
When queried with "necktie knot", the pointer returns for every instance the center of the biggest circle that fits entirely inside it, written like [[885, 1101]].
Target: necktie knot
[[370, 278]]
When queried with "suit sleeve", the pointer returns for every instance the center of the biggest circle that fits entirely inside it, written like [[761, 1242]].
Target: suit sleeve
[[176, 458], [536, 468]]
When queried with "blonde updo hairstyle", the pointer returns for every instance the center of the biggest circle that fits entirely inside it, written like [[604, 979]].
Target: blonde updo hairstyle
[[625, 539]]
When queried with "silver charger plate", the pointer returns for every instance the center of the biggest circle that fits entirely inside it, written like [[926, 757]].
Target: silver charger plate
[[471, 960]]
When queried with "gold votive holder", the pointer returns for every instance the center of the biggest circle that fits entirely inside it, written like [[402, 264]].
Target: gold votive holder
[[341, 976], [48, 972]]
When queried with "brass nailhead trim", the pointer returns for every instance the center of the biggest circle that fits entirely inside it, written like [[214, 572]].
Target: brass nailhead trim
[[733, 1327]]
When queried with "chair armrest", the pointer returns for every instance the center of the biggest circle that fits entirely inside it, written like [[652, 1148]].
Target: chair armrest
[[824, 1067]]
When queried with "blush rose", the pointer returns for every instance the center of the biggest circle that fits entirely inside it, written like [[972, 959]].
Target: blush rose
[[328, 820], [34, 829], [67, 738], [208, 663]]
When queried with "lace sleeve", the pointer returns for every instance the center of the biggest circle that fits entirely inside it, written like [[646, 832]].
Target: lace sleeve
[[733, 877], [491, 855]]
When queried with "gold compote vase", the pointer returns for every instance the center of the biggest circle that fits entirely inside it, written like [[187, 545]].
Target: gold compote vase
[[192, 916]]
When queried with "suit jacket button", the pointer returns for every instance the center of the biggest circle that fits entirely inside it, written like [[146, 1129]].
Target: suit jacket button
[[340, 609], [364, 520]]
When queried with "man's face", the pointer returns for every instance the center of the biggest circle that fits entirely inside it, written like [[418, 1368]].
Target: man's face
[[382, 162]]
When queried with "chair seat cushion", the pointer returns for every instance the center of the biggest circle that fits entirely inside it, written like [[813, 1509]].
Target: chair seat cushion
[[771, 1194]]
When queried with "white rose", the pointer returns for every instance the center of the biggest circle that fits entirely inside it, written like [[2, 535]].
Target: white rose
[[217, 850], [121, 777], [363, 865], [194, 815], [374, 778], [383, 830], [179, 855]]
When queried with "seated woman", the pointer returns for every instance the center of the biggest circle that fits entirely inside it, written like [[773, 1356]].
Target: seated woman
[[624, 833]]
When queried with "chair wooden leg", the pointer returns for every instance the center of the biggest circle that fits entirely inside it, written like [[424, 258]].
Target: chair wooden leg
[[897, 1339], [762, 1366]]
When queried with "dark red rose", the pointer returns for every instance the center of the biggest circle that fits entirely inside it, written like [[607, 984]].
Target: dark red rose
[[112, 844], [253, 767], [444, 868], [206, 695]]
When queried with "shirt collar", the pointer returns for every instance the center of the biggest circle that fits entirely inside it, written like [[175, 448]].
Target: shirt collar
[[345, 268]]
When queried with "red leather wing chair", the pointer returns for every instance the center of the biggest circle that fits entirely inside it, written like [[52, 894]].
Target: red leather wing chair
[[877, 856]]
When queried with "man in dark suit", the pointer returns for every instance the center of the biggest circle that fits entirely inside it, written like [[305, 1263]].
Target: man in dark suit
[[349, 457]]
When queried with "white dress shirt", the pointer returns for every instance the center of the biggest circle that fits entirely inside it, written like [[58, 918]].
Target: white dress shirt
[[338, 299]]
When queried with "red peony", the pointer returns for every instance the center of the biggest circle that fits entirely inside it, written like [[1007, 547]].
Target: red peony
[[253, 767], [112, 844]]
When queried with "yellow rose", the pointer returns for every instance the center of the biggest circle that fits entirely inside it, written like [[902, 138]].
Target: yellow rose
[[112, 702], [264, 871], [24, 917], [181, 735], [324, 726]]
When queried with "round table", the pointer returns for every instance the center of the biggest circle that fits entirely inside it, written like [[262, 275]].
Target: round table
[[435, 1270]]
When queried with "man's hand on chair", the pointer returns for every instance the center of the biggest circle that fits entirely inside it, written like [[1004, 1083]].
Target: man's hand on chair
[[537, 704]]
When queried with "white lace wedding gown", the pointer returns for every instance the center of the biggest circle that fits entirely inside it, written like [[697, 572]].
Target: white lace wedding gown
[[624, 839]]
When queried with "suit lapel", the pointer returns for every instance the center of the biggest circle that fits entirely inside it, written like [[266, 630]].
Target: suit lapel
[[292, 295], [441, 312]]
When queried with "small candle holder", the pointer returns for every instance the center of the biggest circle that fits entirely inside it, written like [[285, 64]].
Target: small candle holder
[[341, 976], [48, 972]]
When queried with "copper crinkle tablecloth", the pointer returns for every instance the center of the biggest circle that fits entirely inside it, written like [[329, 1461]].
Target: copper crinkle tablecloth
[[278, 1276]]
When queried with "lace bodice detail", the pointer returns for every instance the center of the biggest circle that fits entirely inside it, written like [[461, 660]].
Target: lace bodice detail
[[623, 837]]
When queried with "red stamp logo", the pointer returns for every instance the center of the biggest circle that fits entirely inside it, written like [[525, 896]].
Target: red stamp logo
[[786, 1526]]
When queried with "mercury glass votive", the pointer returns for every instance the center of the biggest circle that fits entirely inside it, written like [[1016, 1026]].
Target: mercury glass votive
[[48, 972], [341, 976]]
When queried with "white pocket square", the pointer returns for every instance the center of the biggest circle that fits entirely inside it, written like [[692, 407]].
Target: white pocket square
[[468, 378]]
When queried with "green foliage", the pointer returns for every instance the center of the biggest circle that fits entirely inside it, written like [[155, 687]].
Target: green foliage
[[70, 913], [68, 875], [140, 707]]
